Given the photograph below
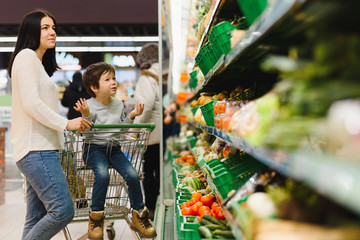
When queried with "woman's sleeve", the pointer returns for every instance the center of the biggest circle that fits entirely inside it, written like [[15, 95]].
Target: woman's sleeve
[[145, 93], [27, 75]]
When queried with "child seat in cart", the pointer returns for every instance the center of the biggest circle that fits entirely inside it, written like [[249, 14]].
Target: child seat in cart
[[80, 177]]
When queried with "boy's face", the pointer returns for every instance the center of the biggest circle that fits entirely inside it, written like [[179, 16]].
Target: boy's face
[[107, 85]]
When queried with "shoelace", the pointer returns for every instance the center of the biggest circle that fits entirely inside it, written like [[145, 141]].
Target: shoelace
[[146, 222], [95, 224]]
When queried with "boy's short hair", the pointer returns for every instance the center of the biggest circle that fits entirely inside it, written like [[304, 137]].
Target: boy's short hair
[[93, 73]]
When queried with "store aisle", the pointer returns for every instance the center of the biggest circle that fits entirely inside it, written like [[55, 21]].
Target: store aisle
[[13, 216]]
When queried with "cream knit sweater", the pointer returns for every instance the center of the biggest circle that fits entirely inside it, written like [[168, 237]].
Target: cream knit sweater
[[147, 92], [36, 123]]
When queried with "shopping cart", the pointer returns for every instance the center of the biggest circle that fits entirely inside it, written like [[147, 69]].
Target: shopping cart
[[80, 178]]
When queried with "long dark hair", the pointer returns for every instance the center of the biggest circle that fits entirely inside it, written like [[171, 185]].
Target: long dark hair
[[29, 37]]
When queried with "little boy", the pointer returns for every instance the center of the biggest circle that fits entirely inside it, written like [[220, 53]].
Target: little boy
[[99, 80]]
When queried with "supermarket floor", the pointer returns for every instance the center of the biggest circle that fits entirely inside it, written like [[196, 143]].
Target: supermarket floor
[[13, 213]]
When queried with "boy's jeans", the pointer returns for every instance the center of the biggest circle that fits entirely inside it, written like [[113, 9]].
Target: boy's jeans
[[99, 162], [49, 203]]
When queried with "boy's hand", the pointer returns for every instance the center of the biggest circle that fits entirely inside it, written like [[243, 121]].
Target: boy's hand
[[81, 106], [137, 111]]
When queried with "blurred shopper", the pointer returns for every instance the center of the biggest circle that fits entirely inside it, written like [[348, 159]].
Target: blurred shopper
[[37, 128], [73, 93], [171, 122], [147, 91]]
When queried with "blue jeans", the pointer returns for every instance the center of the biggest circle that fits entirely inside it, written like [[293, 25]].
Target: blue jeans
[[98, 160], [49, 203]]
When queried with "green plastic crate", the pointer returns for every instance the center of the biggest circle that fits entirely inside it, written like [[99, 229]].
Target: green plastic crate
[[252, 9], [220, 38], [208, 113], [206, 58], [192, 140], [193, 80], [189, 231], [202, 59]]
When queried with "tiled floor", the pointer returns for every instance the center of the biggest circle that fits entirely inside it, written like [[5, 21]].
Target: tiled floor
[[12, 213], [12, 216]]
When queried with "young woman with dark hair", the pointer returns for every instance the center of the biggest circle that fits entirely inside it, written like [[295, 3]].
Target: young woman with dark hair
[[37, 127]]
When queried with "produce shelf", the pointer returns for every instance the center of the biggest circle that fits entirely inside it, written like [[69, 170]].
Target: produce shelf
[[279, 27], [335, 178]]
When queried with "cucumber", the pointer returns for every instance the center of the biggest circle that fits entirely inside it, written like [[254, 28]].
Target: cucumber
[[225, 223], [212, 219], [190, 219], [205, 232], [223, 233], [196, 220], [215, 226], [205, 222]]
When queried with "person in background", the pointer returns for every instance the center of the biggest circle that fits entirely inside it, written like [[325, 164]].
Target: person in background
[[171, 122], [73, 93], [37, 129], [104, 108], [147, 91]]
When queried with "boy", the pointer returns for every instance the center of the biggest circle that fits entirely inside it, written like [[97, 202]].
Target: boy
[[99, 80]]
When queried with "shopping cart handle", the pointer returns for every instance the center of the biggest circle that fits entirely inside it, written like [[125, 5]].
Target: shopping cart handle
[[149, 126]]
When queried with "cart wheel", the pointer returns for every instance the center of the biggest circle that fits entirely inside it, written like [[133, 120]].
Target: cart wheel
[[110, 233]]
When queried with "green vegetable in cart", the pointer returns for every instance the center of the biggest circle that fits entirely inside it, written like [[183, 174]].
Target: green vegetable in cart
[[205, 232], [223, 234], [194, 183], [211, 219], [215, 226]]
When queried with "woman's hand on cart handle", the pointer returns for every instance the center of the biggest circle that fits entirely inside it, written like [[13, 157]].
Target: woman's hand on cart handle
[[79, 124], [81, 106], [137, 111]]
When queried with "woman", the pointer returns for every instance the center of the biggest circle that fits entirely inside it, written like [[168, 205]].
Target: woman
[[147, 91], [37, 128]]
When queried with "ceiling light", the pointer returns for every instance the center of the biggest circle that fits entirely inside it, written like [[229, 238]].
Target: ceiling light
[[85, 49], [95, 39]]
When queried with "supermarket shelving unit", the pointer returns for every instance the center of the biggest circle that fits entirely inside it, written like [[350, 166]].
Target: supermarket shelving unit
[[278, 28]]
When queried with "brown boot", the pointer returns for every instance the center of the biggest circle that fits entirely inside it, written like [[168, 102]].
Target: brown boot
[[96, 225], [141, 224]]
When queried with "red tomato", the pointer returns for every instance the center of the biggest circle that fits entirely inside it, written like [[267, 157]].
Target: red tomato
[[184, 205], [208, 212], [220, 215], [196, 195], [199, 204], [207, 200], [186, 211], [194, 210], [214, 205], [203, 209], [193, 201]]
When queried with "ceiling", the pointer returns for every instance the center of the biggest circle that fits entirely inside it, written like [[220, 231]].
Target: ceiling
[[91, 18], [93, 29]]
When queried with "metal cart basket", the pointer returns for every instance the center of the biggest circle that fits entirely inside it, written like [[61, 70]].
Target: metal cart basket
[[133, 141]]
